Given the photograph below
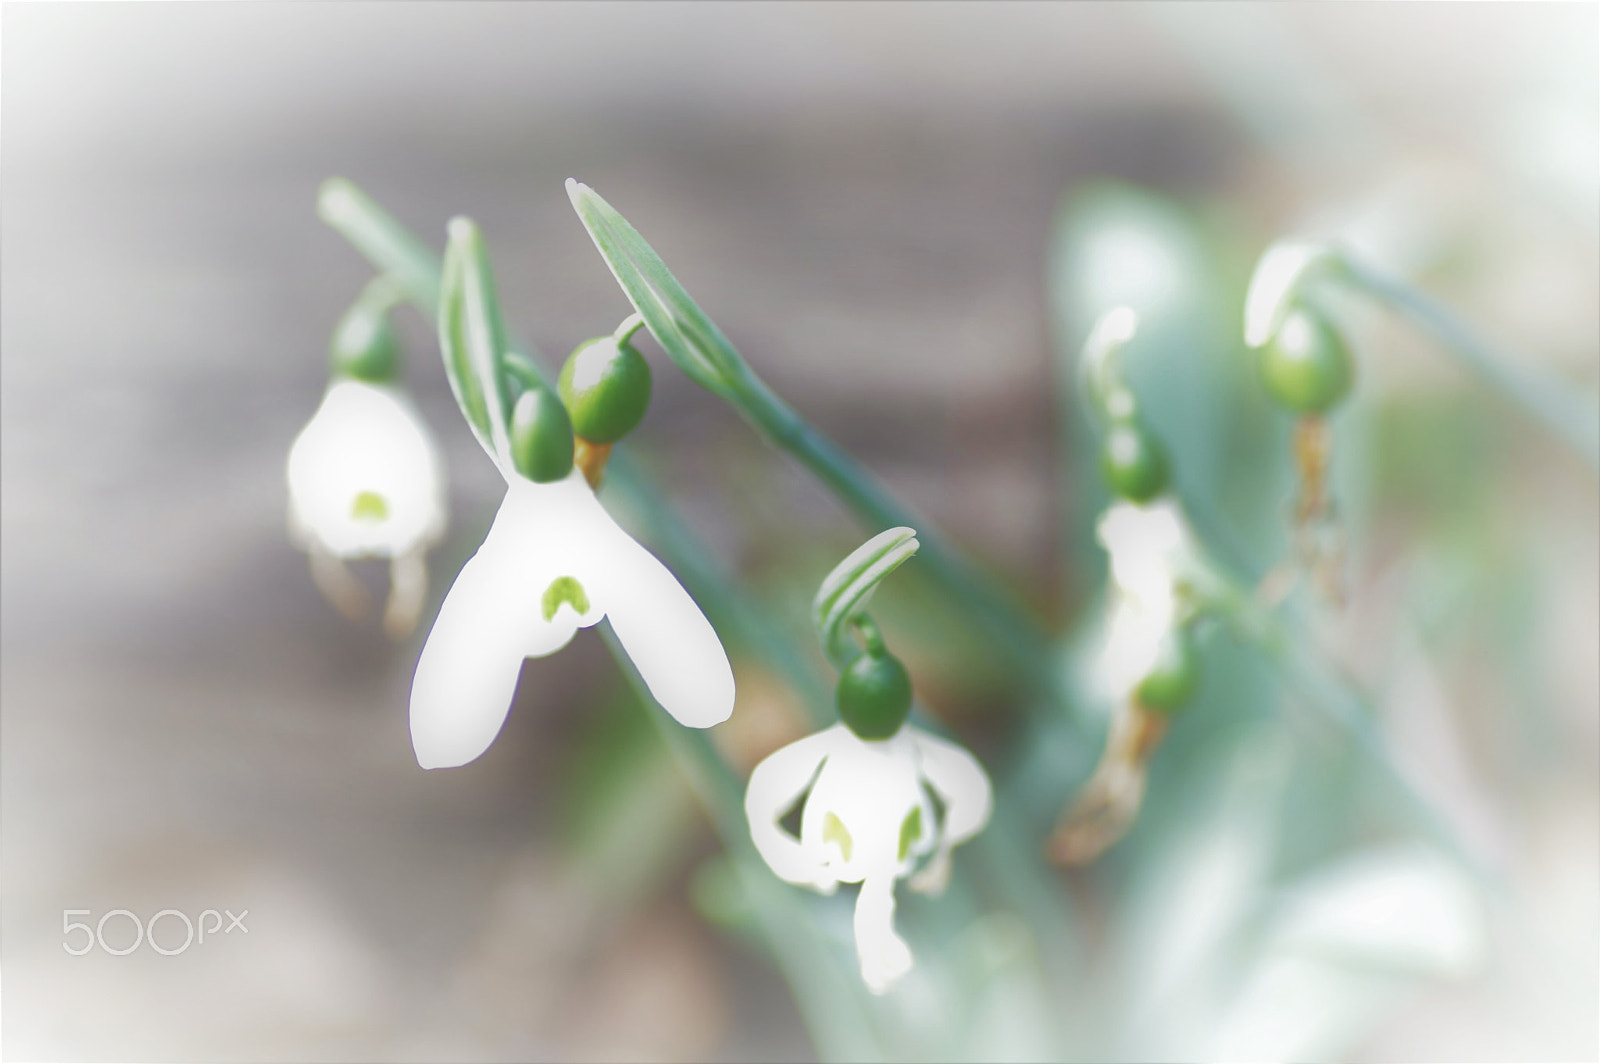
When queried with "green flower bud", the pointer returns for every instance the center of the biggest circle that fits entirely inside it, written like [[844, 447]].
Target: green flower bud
[[1175, 674], [1306, 365], [365, 346], [606, 386], [1133, 462], [541, 436], [874, 695]]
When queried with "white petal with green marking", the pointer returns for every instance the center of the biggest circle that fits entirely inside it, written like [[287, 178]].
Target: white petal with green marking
[[867, 817], [365, 478], [553, 562]]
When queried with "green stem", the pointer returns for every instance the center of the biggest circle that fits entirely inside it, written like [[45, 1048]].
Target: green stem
[[1560, 407], [630, 325], [1013, 632]]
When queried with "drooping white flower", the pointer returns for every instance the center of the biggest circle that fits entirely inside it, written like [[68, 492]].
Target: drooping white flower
[[868, 819], [366, 480], [1147, 544], [553, 562]]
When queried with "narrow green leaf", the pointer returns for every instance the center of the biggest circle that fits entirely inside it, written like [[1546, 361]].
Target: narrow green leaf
[[472, 339], [684, 331], [387, 244], [845, 591]]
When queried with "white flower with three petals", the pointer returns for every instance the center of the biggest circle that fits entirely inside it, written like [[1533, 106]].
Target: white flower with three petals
[[553, 562], [1147, 544], [366, 480], [868, 818]]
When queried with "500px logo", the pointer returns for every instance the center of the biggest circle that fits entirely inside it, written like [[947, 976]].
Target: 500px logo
[[146, 932]]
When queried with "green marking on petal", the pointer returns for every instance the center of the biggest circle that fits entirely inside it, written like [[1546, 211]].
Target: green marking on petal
[[564, 589], [369, 506], [910, 831], [833, 830]]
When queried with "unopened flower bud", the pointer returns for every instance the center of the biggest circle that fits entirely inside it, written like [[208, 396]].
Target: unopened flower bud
[[364, 345], [606, 386], [1306, 365], [874, 695], [1133, 462], [541, 436]]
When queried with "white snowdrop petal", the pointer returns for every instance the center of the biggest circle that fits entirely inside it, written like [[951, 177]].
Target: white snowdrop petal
[[775, 785], [883, 954], [364, 476], [864, 795], [468, 670], [960, 782], [669, 640], [1144, 542], [489, 622]]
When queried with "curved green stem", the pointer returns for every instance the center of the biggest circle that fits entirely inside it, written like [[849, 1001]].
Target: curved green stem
[[1560, 407]]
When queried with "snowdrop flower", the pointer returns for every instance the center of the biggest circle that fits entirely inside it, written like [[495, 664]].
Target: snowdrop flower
[[366, 480], [553, 562], [868, 819], [1146, 544], [1147, 667]]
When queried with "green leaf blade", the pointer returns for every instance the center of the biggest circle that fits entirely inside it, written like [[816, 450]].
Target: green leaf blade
[[684, 331]]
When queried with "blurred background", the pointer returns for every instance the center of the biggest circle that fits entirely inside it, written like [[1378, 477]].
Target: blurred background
[[906, 216]]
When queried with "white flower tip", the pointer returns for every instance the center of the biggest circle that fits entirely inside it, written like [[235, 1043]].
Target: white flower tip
[[669, 640], [885, 958], [468, 669], [1278, 275], [441, 744]]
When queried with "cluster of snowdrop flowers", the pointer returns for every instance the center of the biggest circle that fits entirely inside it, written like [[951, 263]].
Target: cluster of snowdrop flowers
[[882, 800], [365, 477]]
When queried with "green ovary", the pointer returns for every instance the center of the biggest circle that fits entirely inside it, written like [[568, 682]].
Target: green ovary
[[369, 506], [564, 589]]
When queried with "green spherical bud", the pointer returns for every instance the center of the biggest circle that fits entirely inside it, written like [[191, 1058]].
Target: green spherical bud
[[1133, 462], [1175, 674], [874, 695], [1306, 365], [365, 346], [541, 436], [606, 386]]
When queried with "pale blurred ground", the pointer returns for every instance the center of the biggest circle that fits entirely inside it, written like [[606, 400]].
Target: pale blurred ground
[[860, 195]]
